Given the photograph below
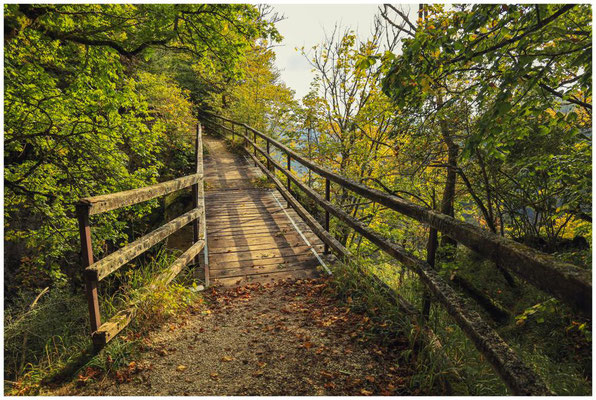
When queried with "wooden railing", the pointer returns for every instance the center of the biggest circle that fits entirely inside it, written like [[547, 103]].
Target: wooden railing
[[566, 282], [95, 271]]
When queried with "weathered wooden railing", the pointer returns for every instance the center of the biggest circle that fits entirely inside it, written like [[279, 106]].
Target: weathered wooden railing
[[98, 270], [566, 282]]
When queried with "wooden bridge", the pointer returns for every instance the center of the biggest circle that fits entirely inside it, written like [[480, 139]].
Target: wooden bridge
[[252, 234]]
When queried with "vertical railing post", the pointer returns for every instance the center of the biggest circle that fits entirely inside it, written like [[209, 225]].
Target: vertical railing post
[[87, 254], [233, 132], [431, 255], [255, 146], [195, 189], [289, 158], [328, 198], [198, 200], [431, 251], [268, 154]]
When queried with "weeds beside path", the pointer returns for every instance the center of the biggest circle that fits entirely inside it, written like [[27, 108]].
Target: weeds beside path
[[283, 338]]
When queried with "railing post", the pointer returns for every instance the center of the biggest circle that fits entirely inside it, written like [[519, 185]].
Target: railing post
[[289, 158], [431, 251], [233, 132], [198, 199], [268, 154], [195, 188], [87, 253], [255, 146], [328, 198]]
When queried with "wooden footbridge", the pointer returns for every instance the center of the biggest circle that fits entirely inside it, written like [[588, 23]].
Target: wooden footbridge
[[247, 233]]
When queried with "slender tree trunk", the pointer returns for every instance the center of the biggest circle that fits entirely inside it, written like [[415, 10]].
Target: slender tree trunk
[[448, 201]]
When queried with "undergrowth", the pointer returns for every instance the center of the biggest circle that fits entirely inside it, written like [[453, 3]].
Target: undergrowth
[[52, 338], [543, 332]]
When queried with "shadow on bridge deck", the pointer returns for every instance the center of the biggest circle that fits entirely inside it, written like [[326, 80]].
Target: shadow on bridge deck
[[252, 235]]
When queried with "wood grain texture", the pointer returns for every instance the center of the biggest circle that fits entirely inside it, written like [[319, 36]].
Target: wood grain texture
[[250, 236], [112, 201], [112, 262]]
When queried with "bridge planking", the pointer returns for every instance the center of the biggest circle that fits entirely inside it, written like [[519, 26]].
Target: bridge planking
[[251, 233]]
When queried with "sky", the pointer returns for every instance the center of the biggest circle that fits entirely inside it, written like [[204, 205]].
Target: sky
[[305, 25]]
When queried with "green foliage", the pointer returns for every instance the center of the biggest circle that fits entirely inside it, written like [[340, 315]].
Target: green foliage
[[513, 84], [259, 98], [57, 328], [89, 110]]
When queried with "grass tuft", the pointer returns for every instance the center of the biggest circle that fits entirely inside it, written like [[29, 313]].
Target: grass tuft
[[57, 329]]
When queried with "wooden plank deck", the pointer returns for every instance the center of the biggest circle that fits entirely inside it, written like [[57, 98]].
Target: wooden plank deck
[[252, 235]]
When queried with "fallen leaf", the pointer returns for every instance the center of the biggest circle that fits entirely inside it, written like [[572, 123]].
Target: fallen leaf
[[227, 358], [258, 373], [214, 375], [180, 368], [365, 392], [327, 374], [369, 378]]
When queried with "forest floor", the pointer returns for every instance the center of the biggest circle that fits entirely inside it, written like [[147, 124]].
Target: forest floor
[[281, 338]]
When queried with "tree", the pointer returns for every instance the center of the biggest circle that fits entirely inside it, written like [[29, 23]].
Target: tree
[[509, 78], [83, 119]]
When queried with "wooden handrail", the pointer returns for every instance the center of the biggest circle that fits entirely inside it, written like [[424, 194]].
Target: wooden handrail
[[108, 202], [115, 260], [96, 271], [567, 282], [517, 376]]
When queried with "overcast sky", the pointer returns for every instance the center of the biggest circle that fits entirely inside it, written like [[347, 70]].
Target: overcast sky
[[305, 25]]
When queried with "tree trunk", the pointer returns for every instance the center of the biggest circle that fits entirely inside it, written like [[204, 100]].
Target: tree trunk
[[447, 203]]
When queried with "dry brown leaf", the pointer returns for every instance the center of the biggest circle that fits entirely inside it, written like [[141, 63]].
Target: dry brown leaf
[[365, 392], [180, 368], [227, 358], [326, 374]]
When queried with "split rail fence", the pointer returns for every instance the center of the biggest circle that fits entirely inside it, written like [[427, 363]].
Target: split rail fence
[[95, 271], [566, 282]]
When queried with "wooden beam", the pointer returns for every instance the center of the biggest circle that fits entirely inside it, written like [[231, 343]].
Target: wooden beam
[[112, 262], [118, 322], [113, 201], [87, 256]]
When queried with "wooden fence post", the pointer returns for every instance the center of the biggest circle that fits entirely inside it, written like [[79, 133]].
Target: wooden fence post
[[328, 198], [289, 158], [268, 154], [431, 251], [195, 189], [199, 200], [87, 253]]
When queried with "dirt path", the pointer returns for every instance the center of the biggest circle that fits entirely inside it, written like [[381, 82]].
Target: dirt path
[[283, 338]]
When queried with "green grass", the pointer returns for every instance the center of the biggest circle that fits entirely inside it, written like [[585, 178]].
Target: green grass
[[57, 329], [549, 340]]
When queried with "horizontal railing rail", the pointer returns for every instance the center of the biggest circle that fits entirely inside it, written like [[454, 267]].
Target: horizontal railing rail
[[96, 271], [113, 201], [571, 284]]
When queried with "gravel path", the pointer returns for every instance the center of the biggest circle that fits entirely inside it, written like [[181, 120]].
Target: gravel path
[[284, 338]]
